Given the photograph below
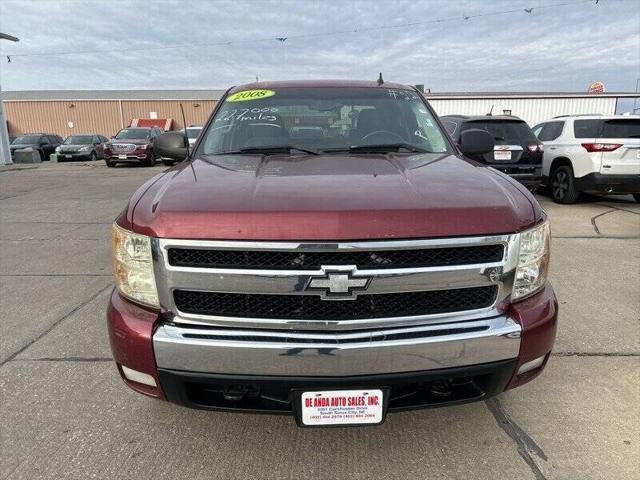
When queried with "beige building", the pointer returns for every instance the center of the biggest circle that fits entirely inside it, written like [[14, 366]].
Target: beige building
[[68, 112], [102, 111]]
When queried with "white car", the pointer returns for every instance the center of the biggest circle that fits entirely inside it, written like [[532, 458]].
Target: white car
[[590, 153], [192, 134]]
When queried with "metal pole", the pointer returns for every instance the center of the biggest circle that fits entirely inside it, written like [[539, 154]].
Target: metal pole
[[5, 155]]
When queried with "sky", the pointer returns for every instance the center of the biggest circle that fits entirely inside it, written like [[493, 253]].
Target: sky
[[215, 44]]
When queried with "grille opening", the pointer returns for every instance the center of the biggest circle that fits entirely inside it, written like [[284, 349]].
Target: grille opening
[[312, 307], [299, 260], [277, 397]]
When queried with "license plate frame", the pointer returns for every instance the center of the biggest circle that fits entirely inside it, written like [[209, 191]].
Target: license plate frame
[[68, 156], [502, 155], [298, 396], [122, 156]]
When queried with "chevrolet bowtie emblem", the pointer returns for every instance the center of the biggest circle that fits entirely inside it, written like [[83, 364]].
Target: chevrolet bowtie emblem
[[338, 283]]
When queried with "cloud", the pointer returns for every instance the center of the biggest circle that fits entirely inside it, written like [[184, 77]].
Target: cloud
[[563, 48]]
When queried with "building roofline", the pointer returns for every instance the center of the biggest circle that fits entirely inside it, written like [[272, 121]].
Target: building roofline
[[216, 94], [110, 95], [476, 95]]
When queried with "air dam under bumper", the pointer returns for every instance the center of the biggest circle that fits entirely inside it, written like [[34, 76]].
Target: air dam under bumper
[[256, 352]]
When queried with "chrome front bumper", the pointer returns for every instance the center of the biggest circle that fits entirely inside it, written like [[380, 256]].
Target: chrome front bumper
[[284, 353]]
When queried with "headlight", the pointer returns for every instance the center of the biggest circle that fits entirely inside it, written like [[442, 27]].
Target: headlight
[[533, 262], [143, 147], [57, 149], [84, 149], [133, 267]]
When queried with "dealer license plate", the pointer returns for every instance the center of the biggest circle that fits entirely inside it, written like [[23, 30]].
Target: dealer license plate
[[502, 155], [342, 407], [122, 156]]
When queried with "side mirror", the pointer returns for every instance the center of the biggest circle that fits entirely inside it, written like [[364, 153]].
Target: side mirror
[[171, 145], [476, 142]]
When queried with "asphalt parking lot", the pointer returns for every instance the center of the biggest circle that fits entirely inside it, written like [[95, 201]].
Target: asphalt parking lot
[[65, 413]]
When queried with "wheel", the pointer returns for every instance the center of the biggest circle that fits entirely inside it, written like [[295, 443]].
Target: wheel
[[110, 164], [150, 161], [563, 188], [43, 157], [169, 163], [94, 157], [636, 197]]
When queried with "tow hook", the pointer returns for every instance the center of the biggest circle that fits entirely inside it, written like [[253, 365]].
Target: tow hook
[[235, 393]]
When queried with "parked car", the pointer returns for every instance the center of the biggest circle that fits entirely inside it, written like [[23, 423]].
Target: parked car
[[132, 145], [590, 153], [517, 151], [44, 143], [337, 278], [192, 135], [82, 147]]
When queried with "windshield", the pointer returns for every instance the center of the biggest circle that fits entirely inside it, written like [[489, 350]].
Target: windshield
[[509, 131], [27, 140], [132, 134], [193, 132], [79, 140], [323, 120]]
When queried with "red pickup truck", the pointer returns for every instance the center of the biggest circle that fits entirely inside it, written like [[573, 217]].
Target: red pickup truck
[[328, 252]]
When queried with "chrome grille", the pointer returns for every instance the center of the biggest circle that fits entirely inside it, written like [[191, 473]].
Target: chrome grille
[[431, 257], [268, 284], [307, 307], [122, 147]]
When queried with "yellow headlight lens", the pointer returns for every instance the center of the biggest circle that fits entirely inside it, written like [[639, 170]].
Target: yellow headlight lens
[[533, 262], [133, 266]]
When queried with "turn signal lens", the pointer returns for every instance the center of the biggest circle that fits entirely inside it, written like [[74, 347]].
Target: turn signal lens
[[533, 262], [133, 267]]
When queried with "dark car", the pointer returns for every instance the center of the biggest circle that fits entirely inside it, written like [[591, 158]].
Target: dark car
[[44, 143], [517, 151], [132, 145], [82, 147]]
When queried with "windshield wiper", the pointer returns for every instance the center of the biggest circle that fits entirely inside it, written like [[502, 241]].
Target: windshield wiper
[[267, 149], [381, 147]]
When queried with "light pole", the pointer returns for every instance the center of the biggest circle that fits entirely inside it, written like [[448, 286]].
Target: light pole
[[5, 155]]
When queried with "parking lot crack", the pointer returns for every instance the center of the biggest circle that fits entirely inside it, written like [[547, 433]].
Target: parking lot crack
[[55, 324], [595, 217], [527, 447], [618, 208]]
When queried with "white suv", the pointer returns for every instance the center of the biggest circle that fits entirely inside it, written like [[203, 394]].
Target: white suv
[[590, 153]]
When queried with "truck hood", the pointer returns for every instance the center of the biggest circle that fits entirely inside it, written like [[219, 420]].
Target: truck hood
[[330, 197]]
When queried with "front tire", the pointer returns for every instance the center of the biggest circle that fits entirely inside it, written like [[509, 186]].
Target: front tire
[[94, 157], [168, 163], [636, 197], [563, 185], [110, 164], [150, 161]]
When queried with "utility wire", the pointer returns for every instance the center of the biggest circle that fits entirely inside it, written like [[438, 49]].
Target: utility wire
[[287, 39]]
